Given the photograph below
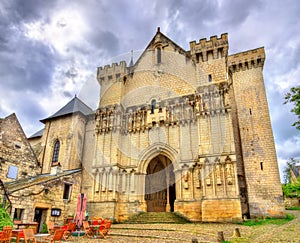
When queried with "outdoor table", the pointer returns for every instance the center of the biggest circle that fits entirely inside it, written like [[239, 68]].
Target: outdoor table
[[57, 227], [27, 225], [78, 234], [18, 233], [41, 236]]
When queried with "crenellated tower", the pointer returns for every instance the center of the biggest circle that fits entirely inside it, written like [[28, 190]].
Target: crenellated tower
[[256, 156], [207, 50], [210, 57], [111, 79]]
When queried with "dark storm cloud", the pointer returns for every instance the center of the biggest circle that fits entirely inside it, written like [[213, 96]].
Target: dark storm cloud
[[235, 12], [71, 73], [28, 10], [67, 94], [25, 64], [31, 71], [207, 16], [105, 40]]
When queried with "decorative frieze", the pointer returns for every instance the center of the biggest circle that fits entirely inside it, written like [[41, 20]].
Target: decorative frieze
[[207, 101]]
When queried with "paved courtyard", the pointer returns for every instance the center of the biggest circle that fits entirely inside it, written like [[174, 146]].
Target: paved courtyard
[[203, 232]]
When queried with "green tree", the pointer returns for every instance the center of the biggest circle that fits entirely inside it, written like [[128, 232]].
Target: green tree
[[287, 170], [291, 188], [294, 97], [5, 219]]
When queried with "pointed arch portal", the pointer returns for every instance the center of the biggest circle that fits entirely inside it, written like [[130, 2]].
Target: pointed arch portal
[[160, 185]]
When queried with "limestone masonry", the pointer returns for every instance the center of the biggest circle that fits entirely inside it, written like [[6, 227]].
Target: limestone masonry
[[186, 131]]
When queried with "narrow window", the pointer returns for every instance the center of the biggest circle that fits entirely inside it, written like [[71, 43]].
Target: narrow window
[[153, 104], [18, 214], [250, 111], [17, 145], [209, 78], [158, 55], [67, 191], [261, 166], [56, 152]]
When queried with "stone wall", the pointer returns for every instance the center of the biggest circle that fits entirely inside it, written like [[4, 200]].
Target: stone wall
[[201, 109], [257, 143], [70, 132], [15, 150], [221, 210]]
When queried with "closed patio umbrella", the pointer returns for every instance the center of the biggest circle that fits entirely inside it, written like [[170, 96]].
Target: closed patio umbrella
[[80, 209]]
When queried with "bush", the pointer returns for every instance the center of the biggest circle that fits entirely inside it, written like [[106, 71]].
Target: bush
[[292, 189], [5, 219], [44, 228]]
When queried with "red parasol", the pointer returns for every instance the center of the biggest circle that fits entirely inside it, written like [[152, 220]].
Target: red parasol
[[80, 209]]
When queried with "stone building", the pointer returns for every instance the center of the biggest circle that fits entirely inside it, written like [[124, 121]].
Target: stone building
[[29, 194], [183, 131], [186, 131]]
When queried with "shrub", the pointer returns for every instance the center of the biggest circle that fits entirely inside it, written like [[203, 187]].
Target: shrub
[[5, 219]]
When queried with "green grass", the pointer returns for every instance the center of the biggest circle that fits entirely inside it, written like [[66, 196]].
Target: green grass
[[258, 222], [293, 208]]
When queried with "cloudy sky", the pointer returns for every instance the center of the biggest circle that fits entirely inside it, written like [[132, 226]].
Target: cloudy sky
[[50, 50]]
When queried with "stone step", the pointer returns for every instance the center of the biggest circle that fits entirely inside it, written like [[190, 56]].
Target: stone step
[[156, 217]]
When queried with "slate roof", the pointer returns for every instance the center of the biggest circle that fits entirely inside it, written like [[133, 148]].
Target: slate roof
[[74, 106], [17, 185], [37, 134], [296, 169]]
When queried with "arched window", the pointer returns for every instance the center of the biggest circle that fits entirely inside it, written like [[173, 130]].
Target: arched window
[[153, 104], [158, 55], [56, 151]]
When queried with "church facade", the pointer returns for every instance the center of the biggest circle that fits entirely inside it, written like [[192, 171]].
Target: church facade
[[183, 131], [186, 131]]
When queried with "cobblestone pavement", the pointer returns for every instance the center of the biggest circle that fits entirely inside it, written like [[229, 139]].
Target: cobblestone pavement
[[203, 232]]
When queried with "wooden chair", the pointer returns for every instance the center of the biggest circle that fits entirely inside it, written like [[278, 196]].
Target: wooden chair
[[57, 236], [50, 227], [29, 235], [107, 227], [88, 231], [6, 234], [104, 228], [68, 232]]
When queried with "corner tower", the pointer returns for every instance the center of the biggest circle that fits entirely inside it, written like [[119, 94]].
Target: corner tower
[[258, 171]]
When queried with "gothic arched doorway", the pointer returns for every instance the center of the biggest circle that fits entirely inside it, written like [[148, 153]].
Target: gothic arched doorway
[[160, 185]]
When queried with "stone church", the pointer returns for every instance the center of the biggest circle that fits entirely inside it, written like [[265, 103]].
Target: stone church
[[185, 131]]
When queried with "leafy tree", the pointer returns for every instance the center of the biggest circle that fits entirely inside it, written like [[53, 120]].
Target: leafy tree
[[292, 189], [294, 97], [287, 170], [5, 219]]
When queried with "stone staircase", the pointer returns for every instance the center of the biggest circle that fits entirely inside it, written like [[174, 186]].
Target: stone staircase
[[156, 218]]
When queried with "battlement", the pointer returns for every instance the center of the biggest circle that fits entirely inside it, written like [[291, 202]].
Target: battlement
[[246, 60], [111, 72], [217, 47]]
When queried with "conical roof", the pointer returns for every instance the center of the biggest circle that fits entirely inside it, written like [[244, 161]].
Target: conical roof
[[74, 106]]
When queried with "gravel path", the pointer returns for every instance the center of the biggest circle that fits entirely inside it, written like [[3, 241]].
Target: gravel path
[[203, 232]]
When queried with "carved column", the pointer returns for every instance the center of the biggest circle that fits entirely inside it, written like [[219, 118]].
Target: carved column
[[168, 208]]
